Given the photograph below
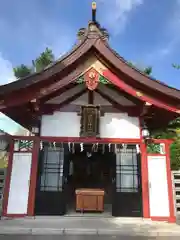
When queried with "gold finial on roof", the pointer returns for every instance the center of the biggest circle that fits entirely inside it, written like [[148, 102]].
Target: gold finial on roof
[[94, 11], [94, 5]]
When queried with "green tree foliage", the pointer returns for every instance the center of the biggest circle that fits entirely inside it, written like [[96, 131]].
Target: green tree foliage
[[146, 70], [131, 64], [175, 154], [172, 132], [22, 71], [176, 66], [45, 58]]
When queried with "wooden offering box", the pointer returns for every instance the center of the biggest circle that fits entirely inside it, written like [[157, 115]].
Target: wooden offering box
[[90, 200]]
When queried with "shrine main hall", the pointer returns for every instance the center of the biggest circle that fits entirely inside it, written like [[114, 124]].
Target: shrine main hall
[[91, 115]]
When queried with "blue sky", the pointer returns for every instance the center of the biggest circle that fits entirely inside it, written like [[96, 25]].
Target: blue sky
[[145, 32]]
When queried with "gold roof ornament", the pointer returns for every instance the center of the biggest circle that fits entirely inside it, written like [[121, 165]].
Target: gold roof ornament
[[139, 94], [94, 12], [93, 5]]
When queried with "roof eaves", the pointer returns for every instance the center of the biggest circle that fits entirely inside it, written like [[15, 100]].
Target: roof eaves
[[26, 79]]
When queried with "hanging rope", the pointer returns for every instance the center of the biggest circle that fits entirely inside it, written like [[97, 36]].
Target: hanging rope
[[137, 148], [41, 145], [103, 148], [109, 145], [54, 145], [73, 148], [81, 146]]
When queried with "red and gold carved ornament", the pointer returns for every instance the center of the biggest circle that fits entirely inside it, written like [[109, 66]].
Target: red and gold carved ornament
[[91, 78]]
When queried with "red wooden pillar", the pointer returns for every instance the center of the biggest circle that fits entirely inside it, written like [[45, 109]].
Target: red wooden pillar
[[33, 177], [8, 178], [144, 174], [172, 217], [144, 177]]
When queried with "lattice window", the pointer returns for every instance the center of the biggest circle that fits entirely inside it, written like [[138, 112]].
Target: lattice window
[[127, 176], [52, 172]]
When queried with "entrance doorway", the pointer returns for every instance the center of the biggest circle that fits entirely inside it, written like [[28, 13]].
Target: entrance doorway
[[92, 167], [127, 199], [114, 168]]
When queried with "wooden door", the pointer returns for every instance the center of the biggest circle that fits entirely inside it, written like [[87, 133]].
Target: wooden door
[[50, 196], [127, 197]]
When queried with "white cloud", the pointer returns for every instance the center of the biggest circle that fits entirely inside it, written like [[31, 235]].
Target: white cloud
[[35, 28], [117, 12], [6, 71], [6, 76]]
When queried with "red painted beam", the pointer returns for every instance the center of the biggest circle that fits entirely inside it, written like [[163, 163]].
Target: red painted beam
[[91, 140], [50, 108], [134, 92], [33, 177]]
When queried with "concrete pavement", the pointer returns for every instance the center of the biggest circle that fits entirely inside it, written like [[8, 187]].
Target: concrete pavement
[[76, 237], [88, 226], [44, 237]]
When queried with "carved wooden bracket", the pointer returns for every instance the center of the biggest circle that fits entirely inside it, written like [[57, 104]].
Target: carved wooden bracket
[[35, 105]]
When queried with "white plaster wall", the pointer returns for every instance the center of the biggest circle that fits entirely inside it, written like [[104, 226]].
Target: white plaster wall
[[19, 184], [112, 125], [119, 125], [61, 124], [158, 186]]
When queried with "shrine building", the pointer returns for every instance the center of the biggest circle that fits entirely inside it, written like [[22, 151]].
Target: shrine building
[[91, 115]]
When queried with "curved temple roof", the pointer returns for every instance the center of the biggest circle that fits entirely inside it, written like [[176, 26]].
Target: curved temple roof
[[92, 41]]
